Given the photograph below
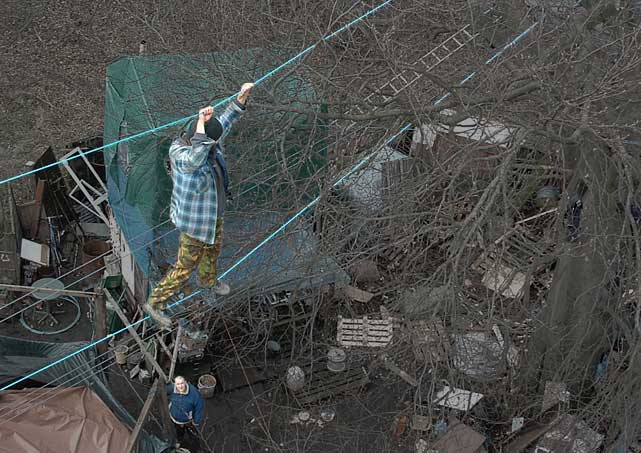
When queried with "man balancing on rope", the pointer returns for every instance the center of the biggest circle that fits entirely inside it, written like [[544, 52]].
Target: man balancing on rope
[[199, 174]]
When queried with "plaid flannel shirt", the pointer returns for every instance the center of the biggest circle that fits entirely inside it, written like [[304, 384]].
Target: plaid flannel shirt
[[194, 201]]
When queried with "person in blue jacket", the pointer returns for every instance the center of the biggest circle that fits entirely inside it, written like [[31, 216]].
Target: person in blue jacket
[[186, 406]]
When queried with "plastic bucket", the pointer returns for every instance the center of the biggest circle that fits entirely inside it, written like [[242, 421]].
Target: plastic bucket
[[121, 353], [206, 385]]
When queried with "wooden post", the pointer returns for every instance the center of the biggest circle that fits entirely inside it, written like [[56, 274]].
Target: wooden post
[[33, 289], [101, 319], [174, 356], [141, 418], [163, 346], [396, 370], [136, 337], [170, 429]]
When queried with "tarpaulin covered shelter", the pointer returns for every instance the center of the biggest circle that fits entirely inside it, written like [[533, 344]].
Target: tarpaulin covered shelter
[[272, 157], [76, 408], [61, 419]]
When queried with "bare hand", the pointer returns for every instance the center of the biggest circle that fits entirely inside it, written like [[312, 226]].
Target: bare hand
[[206, 113], [245, 89]]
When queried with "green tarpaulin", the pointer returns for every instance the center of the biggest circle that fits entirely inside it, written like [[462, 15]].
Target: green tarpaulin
[[146, 92]]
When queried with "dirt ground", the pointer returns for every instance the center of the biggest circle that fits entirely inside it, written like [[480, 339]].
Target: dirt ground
[[54, 56], [51, 84]]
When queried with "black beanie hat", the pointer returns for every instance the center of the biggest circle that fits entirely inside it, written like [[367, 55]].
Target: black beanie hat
[[213, 129]]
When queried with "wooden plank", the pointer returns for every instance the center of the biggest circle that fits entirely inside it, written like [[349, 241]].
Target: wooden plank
[[325, 383], [134, 334], [384, 337], [174, 356], [361, 321], [170, 429], [390, 365], [141, 283], [40, 190], [101, 320], [373, 344], [356, 294], [320, 376], [367, 332], [55, 199], [67, 292], [163, 346], [368, 343], [30, 212], [369, 335], [141, 418], [525, 438]]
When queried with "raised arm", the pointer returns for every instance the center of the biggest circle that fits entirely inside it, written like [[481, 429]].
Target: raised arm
[[189, 158], [235, 109]]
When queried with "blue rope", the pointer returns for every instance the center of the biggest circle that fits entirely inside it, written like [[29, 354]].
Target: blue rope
[[218, 104], [244, 258]]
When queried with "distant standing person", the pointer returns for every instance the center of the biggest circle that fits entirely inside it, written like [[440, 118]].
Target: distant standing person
[[200, 186], [186, 406]]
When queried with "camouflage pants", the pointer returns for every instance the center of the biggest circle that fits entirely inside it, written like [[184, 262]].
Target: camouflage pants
[[192, 253]]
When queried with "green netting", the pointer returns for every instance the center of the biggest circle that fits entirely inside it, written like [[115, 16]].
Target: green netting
[[269, 153]]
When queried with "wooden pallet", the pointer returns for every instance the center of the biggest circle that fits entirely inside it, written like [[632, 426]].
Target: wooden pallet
[[321, 383], [517, 249], [364, 332]]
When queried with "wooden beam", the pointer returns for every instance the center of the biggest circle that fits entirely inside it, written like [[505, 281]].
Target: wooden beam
[[170, 429], [31, 289], [134, 334], [141, 418], [356, 294], [40, 191], [101, 320], [174, 356], [163, 345], [396, 370]]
